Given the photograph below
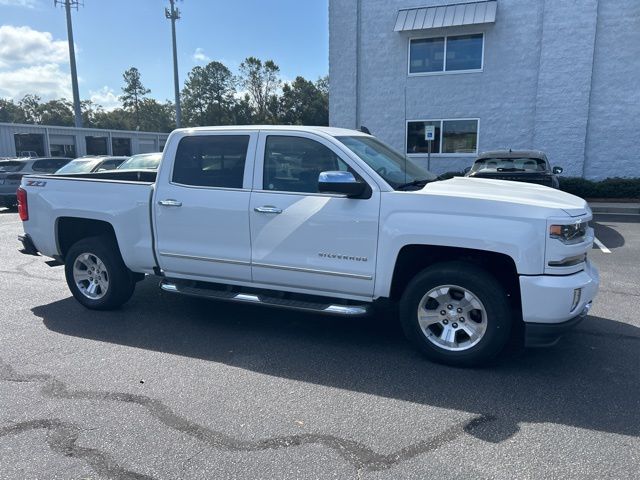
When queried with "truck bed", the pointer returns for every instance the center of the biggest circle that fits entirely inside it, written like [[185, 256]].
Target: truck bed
[[120, 198]]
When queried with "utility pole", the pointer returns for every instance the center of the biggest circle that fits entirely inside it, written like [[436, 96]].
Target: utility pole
[[173, 14], [68, 4]]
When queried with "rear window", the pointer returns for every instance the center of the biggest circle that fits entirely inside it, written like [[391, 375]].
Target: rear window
[[79, 166], [211, 160], [509, 165], [49, 165], [11, 166]]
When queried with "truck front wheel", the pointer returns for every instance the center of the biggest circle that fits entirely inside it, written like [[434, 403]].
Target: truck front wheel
[[456, 313], [96, 274]]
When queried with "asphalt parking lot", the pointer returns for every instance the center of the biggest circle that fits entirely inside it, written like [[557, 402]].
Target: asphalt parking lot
[[172, 387]]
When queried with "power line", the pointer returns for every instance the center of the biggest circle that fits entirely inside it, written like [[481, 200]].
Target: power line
[[68, 5], [173, 14]]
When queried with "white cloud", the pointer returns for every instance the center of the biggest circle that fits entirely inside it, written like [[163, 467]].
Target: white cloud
[[48, 81], [25, 46], [19, 3], [105, 97], [199, 56], [33, 62]]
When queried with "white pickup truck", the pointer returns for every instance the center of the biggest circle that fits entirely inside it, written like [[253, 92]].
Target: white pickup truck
[[326, 220]]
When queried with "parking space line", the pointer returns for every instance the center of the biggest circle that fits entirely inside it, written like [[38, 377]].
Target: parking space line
[[601, 245]]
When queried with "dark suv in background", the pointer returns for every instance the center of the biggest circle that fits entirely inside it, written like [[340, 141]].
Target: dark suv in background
[[520, 166]]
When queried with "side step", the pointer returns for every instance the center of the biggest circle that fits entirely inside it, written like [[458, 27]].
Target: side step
[[188, 288]]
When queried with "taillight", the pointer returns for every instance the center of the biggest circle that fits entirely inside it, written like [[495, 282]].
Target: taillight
[[23, 207]]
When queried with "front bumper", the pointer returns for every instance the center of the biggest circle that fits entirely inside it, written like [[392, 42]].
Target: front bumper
[[548, 334], [549, 299]]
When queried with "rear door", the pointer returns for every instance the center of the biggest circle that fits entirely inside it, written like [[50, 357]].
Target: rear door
[[201, 209], [303, 239]]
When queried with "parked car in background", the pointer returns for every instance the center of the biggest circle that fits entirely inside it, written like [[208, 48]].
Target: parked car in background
[[12, 171], [142, 161], [91, 164], [520, 166]]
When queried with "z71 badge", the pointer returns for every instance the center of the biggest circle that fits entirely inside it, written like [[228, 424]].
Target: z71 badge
[[36, 183]]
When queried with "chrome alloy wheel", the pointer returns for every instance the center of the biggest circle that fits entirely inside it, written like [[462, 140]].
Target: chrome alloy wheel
[[91, 276], [452, 317]]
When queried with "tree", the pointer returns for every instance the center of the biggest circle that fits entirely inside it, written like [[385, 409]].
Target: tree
[[10, 112], [156, 116], [30, 105], [56, 112], [261, 81], [304, 103], [133, 92], [208, 95]]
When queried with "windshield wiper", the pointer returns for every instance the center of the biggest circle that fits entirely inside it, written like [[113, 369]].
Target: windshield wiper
[[510, 169], [415, 183]]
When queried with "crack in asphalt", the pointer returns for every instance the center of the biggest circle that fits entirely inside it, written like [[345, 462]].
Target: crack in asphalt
[[360, 456], [62, 438], [20, 270]]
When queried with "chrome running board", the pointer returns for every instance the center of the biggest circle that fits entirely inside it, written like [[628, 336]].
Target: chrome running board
[[328, 308]]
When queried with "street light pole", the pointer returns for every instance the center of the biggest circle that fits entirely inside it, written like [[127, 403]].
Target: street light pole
[[72, 60], [173, 14]]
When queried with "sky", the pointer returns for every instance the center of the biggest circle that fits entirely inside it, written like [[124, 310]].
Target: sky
[[113, 35]]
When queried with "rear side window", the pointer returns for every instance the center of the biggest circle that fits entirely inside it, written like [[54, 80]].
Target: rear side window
[[211, 160], [11, 166], [49, 165]]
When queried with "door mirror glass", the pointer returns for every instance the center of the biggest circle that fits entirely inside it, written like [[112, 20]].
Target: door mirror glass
[[340, 182], [557, 170]]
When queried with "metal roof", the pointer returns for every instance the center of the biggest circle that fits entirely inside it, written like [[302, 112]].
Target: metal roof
[[424, 18]]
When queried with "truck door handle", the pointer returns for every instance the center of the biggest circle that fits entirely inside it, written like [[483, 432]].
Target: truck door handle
[[170, 202], [268, 209]]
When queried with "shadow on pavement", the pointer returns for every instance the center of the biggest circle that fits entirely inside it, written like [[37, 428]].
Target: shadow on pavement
[[608, 235], [590, 380]]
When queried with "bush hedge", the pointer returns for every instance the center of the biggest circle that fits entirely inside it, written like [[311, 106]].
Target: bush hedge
[[608, 188]]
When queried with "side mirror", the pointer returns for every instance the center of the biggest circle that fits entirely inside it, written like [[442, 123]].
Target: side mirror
[[557, 170], [344, 183]]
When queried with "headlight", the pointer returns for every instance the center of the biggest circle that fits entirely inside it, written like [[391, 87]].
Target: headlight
[[573, 233]]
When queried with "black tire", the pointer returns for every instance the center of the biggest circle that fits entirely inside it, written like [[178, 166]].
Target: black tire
[[121, 283], [480, 283]]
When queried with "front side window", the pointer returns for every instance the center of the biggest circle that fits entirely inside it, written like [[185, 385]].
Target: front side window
[[293, 164], [211, 161], [451, 136], [446, 54], [396, 169]]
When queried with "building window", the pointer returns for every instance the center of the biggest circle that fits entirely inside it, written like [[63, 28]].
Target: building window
[[460, 53], [121, 146], [29, 144], [96, 145], [458, 136]]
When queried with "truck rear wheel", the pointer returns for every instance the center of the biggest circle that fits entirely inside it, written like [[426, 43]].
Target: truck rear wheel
[[456, 313], [96, 274]]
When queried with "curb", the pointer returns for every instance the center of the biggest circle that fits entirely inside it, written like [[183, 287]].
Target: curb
[[619, 208]]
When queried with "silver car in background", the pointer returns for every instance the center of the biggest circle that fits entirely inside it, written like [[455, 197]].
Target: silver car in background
[[12, 171]]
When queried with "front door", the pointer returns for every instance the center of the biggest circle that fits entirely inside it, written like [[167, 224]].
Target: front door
[[302, 239], [201, 208]]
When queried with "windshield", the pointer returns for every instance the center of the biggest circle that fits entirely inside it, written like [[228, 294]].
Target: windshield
[[80, 165], [396, 169], [523, 164], [145, 161], [11, 166]]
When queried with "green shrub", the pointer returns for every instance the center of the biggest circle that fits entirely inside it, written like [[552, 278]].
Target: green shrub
[[608, 188]]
